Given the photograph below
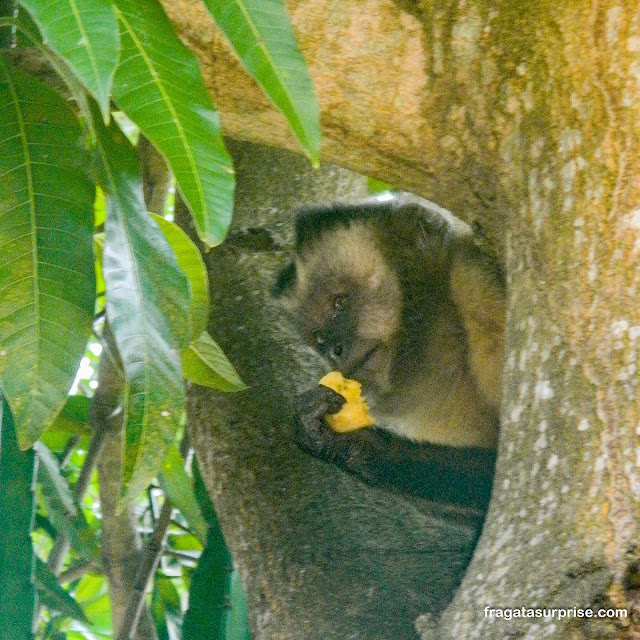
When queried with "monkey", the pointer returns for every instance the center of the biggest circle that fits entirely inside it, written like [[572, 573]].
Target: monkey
[[397, 295]]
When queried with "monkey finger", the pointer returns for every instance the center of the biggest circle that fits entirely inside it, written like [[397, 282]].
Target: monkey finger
[[319, 401]]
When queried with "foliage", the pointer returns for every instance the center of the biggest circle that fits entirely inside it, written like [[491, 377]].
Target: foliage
[[259, 32], [47, 263], [218, 608], [80, 258], [158, 85], [16, 555]]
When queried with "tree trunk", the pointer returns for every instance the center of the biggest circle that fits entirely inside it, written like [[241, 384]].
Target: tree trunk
[[322, 555], [523, 119]]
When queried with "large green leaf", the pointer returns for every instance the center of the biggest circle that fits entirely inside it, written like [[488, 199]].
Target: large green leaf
[[204, 363], [261, 33], [159, 86], [217, 602], [54, 596], [47, 282], [17, 595], [84, 33], [147, 307], [178, 487], [191, 262]]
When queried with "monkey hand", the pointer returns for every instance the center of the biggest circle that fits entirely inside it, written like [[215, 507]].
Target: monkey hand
[[453, 475], [312, 433]]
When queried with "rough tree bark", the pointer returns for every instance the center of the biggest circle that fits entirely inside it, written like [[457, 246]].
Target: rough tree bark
[[523, 118]]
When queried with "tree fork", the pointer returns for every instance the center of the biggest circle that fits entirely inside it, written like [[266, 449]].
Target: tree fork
[[522, 118]]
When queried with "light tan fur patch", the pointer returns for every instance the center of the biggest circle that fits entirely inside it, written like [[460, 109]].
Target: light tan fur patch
[[353, 253]]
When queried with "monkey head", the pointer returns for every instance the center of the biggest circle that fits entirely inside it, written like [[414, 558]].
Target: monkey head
[[347, 303]]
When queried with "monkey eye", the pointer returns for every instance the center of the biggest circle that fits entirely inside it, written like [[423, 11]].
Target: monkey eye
[[338, 303]]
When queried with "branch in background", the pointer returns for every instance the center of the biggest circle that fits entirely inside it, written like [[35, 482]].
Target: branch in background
[[78, 570], [155, 176], [68, 451], [102, 420], [146, 570], [63, 544], [103, 414], [120, 538]]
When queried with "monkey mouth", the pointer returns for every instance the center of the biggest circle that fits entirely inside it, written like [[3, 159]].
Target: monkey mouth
[[360, 364]]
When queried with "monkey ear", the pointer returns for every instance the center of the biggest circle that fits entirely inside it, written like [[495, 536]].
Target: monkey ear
[[284, 281]]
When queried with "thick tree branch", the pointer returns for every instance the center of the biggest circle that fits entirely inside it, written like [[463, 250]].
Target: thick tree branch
[[404, 94]]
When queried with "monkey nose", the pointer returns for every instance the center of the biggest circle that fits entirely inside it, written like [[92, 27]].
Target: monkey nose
[[336, 352]]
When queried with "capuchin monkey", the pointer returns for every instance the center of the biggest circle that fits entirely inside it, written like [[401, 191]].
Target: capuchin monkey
[[397, 296]]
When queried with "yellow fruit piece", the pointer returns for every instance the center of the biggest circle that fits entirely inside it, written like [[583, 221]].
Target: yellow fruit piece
[[354, 413]]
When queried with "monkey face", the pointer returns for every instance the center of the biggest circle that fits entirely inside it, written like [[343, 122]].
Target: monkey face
[[354, 343], [348, 304]]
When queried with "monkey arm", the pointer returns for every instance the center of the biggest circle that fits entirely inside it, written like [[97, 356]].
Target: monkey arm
[[455, 475]]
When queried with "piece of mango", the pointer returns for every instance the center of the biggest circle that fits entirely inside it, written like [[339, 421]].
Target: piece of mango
[[354, 413]]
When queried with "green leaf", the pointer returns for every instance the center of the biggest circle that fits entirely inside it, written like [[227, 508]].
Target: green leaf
[[178, 487], [204, 363], [17, 594], [147, 307], [260, 32], [159, 86], [99, 612], [238, 620], [55, 486], [84, 33], [166, 608], [99, 208], [191, 262], [169, 594], [182, 541], [47, 280], [74, 417], [217, 602], [73, 420], [98, 246], [210, 590], [54, 596], [58, 504], [90, 588]]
